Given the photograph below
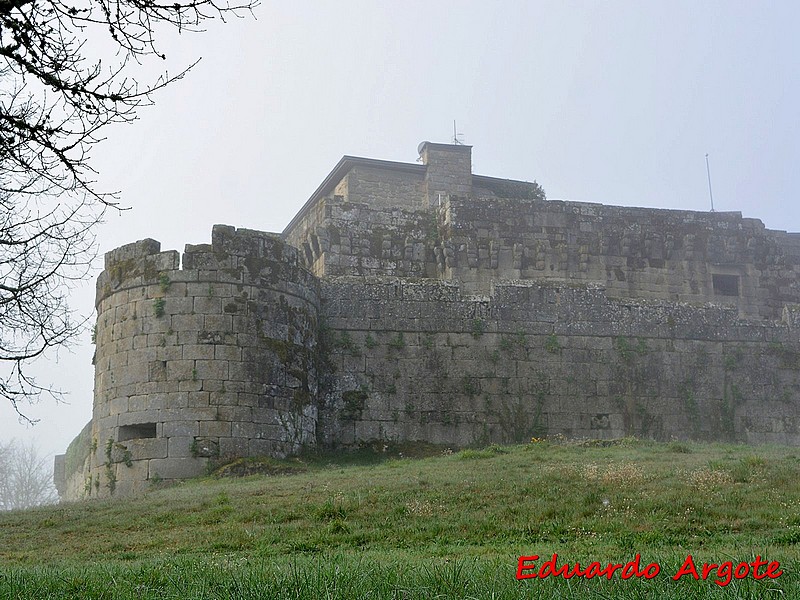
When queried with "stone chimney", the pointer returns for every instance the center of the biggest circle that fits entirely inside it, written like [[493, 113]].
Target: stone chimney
[[449, 170]]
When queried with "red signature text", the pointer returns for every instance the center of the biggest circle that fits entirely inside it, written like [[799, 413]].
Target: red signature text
[[529, 567]]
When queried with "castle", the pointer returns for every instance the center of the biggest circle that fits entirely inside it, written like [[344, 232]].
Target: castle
[[419, 302]]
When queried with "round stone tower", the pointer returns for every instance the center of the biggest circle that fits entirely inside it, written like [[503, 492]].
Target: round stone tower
[[213, 361]]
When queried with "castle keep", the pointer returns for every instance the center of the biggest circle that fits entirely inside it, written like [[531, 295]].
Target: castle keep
[[420, 302]]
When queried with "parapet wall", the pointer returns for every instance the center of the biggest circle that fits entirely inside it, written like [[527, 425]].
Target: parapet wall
[[633, 252], [214, 360]]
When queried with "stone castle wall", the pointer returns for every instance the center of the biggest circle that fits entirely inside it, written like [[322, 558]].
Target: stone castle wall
[[437, 220], [633, 252], [666, 255], [421, 303], [424, 361], [243, 352], [214, 360]]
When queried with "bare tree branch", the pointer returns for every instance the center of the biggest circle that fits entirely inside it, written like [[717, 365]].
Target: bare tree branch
[[55, 101]]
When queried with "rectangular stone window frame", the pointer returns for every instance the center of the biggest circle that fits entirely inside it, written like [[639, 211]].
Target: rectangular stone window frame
[[726, 285], [138, 431]]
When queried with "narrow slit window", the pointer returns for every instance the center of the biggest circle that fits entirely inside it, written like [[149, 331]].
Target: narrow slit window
[[137, 432], [725, 285]]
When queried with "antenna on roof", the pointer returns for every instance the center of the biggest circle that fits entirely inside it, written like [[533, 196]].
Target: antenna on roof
[[457, 141], [708, 172]]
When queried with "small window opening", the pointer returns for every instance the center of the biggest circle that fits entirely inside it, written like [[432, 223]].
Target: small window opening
[[725, 285], [136, 432]]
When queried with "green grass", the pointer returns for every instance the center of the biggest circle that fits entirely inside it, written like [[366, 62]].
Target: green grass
[[449, 526]]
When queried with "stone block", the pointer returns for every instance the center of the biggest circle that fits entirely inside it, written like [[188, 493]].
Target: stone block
[[187, 338], [262, 448], [186, 322], [119, 405], [227, 352], [233, 447], [199, 399], [180, 447], [221, 323], [195, 385], [150, 324], [213, 385], [211, 369], [244, 430], [235, 413], [191, 413], [118, 362], [176, 468], [144, 416], [210, 305], [181, 428], [223, 398], [137, 471], [142, 449], [198, 352], [181, 370], [215, 428], [178, 306], [176, 400]]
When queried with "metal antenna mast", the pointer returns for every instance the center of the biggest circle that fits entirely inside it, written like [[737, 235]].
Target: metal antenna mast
[[708, 172], [456, 141]]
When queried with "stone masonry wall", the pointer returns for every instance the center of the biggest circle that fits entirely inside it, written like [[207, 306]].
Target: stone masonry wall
[[215, 360], [384, 190], [430, 220], [311, 238], [359, 239], [422, 361], [633, 252], [243, 352], [654, 254], [448, 170]]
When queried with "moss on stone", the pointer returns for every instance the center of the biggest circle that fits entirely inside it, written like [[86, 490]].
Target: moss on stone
[[78, 451], [353, 404], [120, 270]]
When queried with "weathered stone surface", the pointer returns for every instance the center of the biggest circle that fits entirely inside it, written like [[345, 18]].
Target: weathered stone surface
[[176, 468]]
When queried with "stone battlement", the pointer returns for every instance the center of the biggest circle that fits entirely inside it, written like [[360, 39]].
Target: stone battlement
[[420, 302]]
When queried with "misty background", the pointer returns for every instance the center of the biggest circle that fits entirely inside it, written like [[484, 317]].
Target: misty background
[[612, 102]]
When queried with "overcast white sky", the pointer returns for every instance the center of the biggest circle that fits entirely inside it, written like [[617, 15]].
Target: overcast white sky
[[612, 102]]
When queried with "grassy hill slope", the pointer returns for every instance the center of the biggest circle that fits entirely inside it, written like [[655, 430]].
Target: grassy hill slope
[[449, 526]]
